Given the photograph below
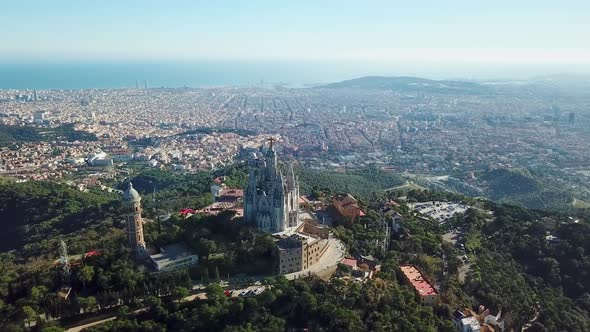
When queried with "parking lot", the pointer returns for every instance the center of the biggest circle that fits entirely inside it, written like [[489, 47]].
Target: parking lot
[[439, 211], [249, 291], [246, 292]]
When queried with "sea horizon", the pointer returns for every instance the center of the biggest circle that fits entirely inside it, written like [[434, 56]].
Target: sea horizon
[[76, 75]]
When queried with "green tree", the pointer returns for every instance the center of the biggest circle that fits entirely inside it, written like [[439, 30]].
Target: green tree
[[217, 277], [28, 315], [214, 292], [122, 311], [205, 275], [37, 294], [91, 304], [153, 301], [205, 248], [82, 302], [180, 293], [86, 275]]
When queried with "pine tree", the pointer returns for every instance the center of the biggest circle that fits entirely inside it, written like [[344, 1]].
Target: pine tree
[[217, 278], [205, 276]]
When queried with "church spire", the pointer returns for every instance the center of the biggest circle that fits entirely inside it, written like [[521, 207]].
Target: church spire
[[271, 161]]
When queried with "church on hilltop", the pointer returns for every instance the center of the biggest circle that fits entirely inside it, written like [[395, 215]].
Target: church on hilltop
[[271, 198]]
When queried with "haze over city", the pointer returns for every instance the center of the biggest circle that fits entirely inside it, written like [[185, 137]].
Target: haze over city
[[330, 40]]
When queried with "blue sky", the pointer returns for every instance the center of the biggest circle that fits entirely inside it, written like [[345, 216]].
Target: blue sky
[[422, 31]]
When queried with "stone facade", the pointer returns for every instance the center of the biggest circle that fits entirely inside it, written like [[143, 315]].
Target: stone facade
[[134, 221], [271, 198], [298, 252]]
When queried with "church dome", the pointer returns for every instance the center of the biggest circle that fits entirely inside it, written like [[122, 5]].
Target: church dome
[[131, 194]]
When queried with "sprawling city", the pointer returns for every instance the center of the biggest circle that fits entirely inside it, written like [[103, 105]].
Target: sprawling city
[[453, 140], [152, 198]]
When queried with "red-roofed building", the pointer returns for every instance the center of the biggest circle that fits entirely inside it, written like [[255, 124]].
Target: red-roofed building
[[187, 212], [230, 195], [347, 206], [92, 253], [303, 202], [349, 262], [360, 271], [424, 289]]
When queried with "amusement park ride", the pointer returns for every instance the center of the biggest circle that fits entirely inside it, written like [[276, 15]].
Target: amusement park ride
[[64, 264]]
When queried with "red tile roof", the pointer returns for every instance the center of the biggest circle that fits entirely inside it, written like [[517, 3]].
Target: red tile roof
[[418, 281], [349, 261], [232, 192]]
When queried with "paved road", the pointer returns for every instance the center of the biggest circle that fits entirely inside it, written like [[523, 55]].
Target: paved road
[[81, 327], [197, 296], [463, 270], [453, 237]]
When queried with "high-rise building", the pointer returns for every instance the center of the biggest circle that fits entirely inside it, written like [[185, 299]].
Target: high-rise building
[[271, 199], [39, 117], [572, 117], [134, 221]]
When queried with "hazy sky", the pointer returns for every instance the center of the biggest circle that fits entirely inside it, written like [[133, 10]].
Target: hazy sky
[[439, 31]]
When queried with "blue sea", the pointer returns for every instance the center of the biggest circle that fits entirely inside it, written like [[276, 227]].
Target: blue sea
[[180, 74], [82, 75]]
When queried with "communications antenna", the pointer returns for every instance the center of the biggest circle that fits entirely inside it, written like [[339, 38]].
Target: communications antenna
[[64, 262]]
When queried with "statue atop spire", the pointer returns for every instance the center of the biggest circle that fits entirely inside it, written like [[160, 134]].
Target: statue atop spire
[[271, 171], [270, 141]]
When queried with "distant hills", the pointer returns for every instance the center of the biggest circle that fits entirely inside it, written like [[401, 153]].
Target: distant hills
[[411, 84], [534, 191], [528, 188], [508, 182], [542, 85]]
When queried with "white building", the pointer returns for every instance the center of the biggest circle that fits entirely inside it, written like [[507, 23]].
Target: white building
[[173, 257], [39, 117]]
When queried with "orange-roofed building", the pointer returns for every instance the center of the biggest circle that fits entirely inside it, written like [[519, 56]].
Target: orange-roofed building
[[230, 195], [351, 262], [347, 206], [303, 202], [424, 289]]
